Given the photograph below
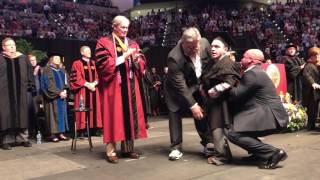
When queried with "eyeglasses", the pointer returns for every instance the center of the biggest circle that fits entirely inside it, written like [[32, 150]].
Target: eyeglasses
[[9, 45]]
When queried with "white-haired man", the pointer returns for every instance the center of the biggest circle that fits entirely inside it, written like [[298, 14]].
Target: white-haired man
[[185, 62], [120, 68]]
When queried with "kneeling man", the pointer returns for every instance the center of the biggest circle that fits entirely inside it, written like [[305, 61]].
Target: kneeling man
[[261, 112]]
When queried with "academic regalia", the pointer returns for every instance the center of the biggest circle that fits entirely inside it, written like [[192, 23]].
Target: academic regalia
[[54, 81], [82, 72], [311, 97], [15, 81], [122, 108], [155, 91], [144, 85], [214, 73], [294, 76]]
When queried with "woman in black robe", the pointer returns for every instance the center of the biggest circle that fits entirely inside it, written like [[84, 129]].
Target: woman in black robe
[[311, 81]]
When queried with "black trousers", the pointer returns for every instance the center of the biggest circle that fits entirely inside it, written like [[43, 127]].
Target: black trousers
[[251, 143], [175, 127]]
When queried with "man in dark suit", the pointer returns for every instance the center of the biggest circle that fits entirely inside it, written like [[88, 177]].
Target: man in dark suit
[[261, 111], [185, 62]]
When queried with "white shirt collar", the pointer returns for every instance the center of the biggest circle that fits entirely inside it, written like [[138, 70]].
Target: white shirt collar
[[85, 59], [197, 65], [249, 68]]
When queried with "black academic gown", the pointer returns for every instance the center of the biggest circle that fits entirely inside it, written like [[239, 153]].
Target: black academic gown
[[214, 73], [294, 76], [16, 80]]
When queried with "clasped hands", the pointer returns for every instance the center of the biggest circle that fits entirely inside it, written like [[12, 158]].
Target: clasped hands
[[132, 52], [63, 94], [91, 86], [157, 83]]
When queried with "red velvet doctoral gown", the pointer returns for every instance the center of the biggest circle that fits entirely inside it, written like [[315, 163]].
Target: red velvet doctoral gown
[[82, 72], [121, 103]]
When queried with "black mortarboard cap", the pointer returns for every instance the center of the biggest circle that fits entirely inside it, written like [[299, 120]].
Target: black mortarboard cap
[[55, 54], [291, 45], [225, 37]]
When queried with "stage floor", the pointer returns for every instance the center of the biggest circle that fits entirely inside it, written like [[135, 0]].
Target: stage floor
[[52, 161]]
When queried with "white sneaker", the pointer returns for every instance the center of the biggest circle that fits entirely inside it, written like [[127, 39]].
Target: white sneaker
[[175, 155]]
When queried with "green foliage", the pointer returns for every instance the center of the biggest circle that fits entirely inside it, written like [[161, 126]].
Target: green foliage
[[41, 55], [26, 48]]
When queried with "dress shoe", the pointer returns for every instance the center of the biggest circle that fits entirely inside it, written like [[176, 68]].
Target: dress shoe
[[53, 139], [6, 147], [273, 161], [63, 138], [112, 159], [131, 155], [26, 144]]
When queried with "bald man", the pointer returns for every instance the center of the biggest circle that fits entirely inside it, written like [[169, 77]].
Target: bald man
[[83, 82], [261, 112]]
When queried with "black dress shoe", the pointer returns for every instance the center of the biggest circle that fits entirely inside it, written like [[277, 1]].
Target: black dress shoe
[[131, 155], [272, 163], [6, 147], [26, 144]]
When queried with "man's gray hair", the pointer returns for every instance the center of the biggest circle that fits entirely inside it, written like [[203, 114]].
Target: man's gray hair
[[119, 20], [6, 40], [190, 34]]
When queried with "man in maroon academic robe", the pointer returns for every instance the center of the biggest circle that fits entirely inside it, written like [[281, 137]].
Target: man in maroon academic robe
[[83, 82], [120, 68]]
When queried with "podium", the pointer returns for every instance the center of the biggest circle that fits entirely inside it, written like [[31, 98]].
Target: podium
[[277, 74], [75, 137]]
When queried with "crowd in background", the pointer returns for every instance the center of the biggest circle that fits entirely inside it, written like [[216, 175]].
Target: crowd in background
[[105, 3], [53, 20], [270, 26], [64, 20]]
